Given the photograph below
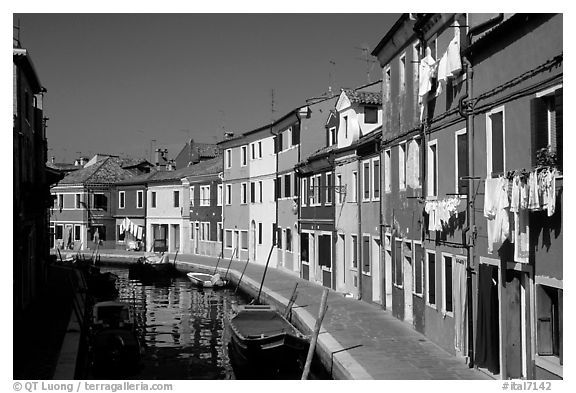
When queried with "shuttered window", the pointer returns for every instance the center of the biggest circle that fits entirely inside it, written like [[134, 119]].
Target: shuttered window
[[546, 114], [397, 274], [418, 267], [497, 148], [431, 270], [295, 134], [462, 163], [325, 250], [366, 254], [549, 321]]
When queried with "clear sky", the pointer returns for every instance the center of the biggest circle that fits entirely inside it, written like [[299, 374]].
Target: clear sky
[[117, 81]]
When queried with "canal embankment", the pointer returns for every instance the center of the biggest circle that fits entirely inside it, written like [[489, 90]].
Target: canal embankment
[[357, 340]]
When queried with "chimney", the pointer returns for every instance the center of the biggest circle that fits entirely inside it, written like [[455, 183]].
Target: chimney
[[53, 159], [228, 135], [157, 154]]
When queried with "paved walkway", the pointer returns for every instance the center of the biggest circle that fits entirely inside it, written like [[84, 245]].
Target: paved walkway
[[357, 341]]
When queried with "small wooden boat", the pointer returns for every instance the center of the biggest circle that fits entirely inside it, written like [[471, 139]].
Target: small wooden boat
[[115, 347], [265, 345], [207, 280], [152, 267]]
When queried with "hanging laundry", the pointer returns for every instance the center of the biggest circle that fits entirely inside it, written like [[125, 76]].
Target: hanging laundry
[[427, 70], [453, 61], [533, 196], [551, 192], [496, 211], [515, 195], [442, 73], [139, 233], [522, 236]]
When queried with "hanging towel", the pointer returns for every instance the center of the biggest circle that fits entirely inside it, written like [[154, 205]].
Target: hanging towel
[[522, 236], [533, 197], [460, 305], [496, 211], [442, 73], [515, 197], [551, 188], [453, 62], [427, 70]]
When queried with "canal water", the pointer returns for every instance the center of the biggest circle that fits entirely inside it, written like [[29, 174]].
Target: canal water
[[183, 328]]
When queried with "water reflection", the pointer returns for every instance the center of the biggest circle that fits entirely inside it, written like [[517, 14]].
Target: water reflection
[[182, 327]]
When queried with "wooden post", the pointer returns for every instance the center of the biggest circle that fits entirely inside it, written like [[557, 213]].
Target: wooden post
[[291, 302], [257, 299], [217, 262], [176, 256], [229, 263], [312, 348], [242, 275]]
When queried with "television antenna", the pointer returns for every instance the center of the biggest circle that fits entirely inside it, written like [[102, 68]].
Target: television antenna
[[367, 58]]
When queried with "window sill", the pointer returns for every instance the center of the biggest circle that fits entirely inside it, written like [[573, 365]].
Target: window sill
[[420, 295], [399, 286], [549, 363], [432, 306]]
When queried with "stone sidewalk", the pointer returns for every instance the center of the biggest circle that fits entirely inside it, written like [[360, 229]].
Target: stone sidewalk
[[357, 341]]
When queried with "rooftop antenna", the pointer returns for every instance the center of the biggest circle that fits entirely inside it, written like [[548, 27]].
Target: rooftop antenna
[[16, 31], [367, 58], [331, 77], [272, 109]]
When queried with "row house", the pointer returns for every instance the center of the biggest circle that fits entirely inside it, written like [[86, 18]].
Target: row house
[[83, 211], [249, 210], [31, 183], [206, 196], [129, 202], [357, 184], [454, 141]]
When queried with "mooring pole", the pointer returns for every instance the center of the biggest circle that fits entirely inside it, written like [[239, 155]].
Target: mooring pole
[[242, 275], [229, 263], [264, 275], [291, 302], [311, 349], [217, 262], [176, 256]]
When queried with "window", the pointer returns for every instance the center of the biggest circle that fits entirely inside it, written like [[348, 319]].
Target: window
[[228, 239], [431, 274], [120, 235], [253, 151], [153, 198], [60, 199], [244, 156], [416, 61], [244, 240], [77, 201], [370, 114], [288, 135], [332, 136], [192, 230], [318, 190], [549, 313], [192, 196], [418, 270], [260, 191], [388, 84], [387, 171], [219, 232], [279, 237], [277, 187], [288, 239], [287, 185], [345, 118], [176, 198], [121, 200], [228, 194], [432, 169], [402, 70], [366, 181], [329, 188], [546, 122], [59, 231], [376, 178], [495, 142], [313, 190], [244, 193], [354, 252], [354, 187], [325, 251], [252, 192], [100, 202], [412, 166], [205, 195], [304, 193], [139, 199], [461, 165], [295, 134], [206, 231], [366, 254], [402, 165], [219, 196], [228, 158], [77, 229], [278, 143], [259, 149], [259, 233], [447, 302], [339, 191], [398, 265]]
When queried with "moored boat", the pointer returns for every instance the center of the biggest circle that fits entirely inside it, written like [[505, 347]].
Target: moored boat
[[207, 280], [265, 345], [115, 347]]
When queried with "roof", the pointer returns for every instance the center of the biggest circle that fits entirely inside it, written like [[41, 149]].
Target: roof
[[208, 167], [107, 170], [63, 166], [22, 58], [133, 162], [207, 150], [363, 97]]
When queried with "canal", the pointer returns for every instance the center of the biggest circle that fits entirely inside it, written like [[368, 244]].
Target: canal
[[183, 328]]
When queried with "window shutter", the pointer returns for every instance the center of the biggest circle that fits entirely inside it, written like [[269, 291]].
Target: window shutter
[[295, 134], [418, 263], [276, 144], [559, 136], [462, 163], [544, 323], [538, 126], [366, 254]]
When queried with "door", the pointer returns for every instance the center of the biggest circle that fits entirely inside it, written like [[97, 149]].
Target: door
[[376, 282], [513, 316], [341, 260], [408, 306], [176, 237], [253, 240]]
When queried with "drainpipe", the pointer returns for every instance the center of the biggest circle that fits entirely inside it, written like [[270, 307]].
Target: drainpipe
[[359, 238], [470, 231]]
